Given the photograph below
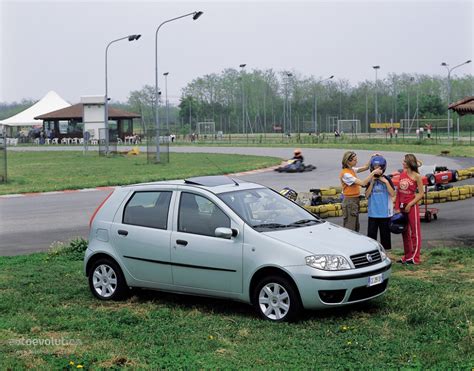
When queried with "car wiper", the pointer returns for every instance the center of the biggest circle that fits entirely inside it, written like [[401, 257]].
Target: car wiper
[[304, 221], [270, 225]]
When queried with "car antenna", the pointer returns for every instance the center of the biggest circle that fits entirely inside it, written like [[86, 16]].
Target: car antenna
[[218, 168]]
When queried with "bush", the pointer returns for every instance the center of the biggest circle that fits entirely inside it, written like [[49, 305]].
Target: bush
[[74, 251]]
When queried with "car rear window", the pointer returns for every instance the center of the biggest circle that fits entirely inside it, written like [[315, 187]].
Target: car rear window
[[148, 209]]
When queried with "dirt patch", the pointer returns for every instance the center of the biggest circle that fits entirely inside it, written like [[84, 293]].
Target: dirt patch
[[119, 361]]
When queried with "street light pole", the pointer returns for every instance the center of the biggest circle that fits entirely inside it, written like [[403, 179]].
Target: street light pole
[[288, 102], [444, 64], [195, 15], [106, 96], [166, 102], [376, 103], [316, 104], [244, 126]]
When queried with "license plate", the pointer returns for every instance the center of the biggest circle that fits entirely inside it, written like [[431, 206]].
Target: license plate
[[375, 280]]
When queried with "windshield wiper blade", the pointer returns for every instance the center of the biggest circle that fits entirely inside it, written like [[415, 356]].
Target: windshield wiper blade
[[269, 225], [304, 221]]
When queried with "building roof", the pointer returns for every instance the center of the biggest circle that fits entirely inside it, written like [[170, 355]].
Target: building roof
[[464, 106], [51, 101], [75, 112]]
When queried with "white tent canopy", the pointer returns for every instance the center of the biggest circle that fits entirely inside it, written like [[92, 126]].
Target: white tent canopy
[[50, 102]]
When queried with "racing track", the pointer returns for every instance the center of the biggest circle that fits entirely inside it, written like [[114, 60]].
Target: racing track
[[32, 223]]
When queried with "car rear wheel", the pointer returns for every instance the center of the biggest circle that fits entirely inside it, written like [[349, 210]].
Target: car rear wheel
[[276, 299], [106, 280]]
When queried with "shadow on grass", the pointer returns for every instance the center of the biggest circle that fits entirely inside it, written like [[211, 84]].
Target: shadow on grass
[[234, 308]]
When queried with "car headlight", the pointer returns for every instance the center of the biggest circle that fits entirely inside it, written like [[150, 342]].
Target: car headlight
[[383, 254], [328, 262]]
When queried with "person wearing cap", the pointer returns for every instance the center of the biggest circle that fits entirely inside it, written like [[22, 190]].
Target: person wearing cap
[[351, 189], [380, 195]]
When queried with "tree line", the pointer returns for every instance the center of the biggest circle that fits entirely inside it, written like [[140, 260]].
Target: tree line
[[262, 100], [265, 100]]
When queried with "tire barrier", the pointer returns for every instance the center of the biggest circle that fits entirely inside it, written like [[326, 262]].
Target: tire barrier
[[329, 209]]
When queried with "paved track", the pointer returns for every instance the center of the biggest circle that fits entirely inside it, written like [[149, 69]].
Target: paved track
[[33, 223]]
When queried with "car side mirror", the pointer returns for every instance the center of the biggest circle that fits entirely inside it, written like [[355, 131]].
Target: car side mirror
[[222, 232]]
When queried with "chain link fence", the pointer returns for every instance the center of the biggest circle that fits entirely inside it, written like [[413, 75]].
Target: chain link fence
[[152, 154], [3, 159], [111, 149]]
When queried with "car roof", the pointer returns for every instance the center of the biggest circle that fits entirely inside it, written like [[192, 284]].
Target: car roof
[[215, 184]]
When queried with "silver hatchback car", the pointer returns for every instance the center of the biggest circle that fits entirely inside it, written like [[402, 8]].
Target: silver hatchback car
[[221, 237]]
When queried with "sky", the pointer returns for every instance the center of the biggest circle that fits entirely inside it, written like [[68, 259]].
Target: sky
[[60, 45]]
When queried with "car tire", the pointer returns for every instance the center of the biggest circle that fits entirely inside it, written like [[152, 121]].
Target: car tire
[[431, 179], [276, 299], [106, 280]]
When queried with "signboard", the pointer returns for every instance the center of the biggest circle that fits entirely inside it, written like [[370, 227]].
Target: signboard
[[384, 125]]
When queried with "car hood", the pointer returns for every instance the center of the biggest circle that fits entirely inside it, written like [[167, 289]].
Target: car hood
[[325, 238]]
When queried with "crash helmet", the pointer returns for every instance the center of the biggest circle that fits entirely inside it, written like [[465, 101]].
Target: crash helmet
[[289, 193], [378, 161], [297, 152], [398, 223]]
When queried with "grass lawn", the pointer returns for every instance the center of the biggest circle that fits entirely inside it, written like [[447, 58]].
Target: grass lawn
[[424, 321], [53, 171]]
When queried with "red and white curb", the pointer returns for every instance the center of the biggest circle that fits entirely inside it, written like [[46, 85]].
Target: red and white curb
[[250, 172], [58, 192]]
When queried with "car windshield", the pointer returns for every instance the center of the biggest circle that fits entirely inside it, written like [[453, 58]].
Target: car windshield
[[264, 209]]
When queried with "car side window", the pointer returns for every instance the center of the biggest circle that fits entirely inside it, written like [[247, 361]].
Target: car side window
[[200, 215], [148, 209]]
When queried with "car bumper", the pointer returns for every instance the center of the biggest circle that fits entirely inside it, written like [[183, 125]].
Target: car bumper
[[321, 289]]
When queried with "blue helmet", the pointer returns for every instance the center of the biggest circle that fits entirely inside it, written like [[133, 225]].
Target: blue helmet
[[378, 161], [398, 223]]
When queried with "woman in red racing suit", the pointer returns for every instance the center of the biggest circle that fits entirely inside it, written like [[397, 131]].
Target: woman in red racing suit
[[410, 191]]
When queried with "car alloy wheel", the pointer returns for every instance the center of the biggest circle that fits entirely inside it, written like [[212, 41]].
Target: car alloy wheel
[[276, 299], [104, 280]]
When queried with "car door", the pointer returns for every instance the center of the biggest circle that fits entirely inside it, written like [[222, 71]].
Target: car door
[[142, 237], [199, 259]]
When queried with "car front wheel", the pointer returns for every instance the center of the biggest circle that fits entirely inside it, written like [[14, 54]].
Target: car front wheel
[[106, 280], [276, 299]]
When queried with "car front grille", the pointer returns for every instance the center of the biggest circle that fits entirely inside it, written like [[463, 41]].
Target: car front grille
[[366, 259]]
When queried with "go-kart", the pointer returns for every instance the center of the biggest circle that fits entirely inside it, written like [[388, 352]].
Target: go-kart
[[294, 166]]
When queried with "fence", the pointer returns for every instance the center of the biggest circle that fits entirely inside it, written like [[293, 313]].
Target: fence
[[438, 135], [152, 154], [3, 159], [111, 148]]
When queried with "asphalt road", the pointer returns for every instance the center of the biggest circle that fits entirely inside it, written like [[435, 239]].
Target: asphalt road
[[33, 223]]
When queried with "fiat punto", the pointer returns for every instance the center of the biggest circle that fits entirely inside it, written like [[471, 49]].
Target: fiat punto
[[222, 237]]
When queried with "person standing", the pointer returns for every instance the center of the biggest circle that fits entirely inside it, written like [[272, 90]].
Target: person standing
[[351, 189], [380, 195], [410, 191]]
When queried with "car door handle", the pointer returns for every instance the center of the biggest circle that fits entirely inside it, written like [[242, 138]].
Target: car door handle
[[122, 232], [182, 242]]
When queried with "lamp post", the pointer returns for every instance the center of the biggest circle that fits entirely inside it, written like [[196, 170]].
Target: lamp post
[[316, 103], [195, 15], [449, 88], [288, 102], [106, 96], [376, 103], [244, 126], [166, 102]]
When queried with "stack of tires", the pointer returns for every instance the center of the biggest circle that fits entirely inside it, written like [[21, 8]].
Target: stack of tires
[[448, 195]]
